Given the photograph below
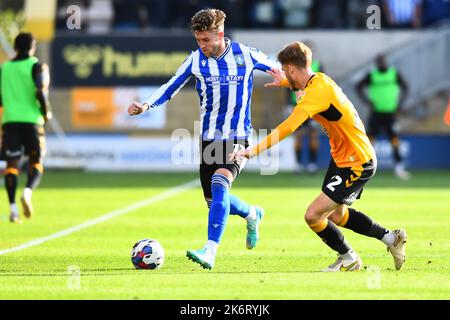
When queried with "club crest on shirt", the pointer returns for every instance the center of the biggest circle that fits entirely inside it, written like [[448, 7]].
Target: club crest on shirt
[[299, 94], [239, 58]]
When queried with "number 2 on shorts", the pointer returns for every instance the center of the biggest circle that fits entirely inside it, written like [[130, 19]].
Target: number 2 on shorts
[[332, 184]]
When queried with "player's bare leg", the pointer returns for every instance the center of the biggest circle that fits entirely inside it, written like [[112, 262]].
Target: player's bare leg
[[399, 168], [316, 217]]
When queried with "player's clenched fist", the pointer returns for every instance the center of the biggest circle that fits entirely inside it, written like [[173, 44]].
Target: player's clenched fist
[[137, 108]]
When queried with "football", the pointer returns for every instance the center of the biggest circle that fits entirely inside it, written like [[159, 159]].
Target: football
[[147, 254]]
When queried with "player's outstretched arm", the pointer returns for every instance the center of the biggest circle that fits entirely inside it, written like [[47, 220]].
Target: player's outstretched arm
[[137, 108], [287, 127], [166, 91]]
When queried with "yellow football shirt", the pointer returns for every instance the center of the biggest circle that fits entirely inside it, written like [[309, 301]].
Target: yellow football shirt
[[323, 100]]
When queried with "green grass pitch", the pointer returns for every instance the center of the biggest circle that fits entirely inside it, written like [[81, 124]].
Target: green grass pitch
[[284, 265]]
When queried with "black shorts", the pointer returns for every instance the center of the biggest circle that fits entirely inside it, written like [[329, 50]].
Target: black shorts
[[345, 185], [214, 155], [380, 122], [20, 139]]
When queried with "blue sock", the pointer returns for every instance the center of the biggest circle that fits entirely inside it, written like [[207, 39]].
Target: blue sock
[[220, 207], [238, 207]]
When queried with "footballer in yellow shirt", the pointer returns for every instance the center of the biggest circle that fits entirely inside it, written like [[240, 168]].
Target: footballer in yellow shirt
[[353, 160]]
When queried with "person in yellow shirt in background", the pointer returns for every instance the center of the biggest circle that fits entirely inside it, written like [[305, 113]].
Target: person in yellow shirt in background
[[353, 160]]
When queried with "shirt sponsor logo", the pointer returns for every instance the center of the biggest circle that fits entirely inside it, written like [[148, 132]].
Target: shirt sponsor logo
[[224, 80]]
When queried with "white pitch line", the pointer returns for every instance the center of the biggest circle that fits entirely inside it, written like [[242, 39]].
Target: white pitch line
[[137, 205]]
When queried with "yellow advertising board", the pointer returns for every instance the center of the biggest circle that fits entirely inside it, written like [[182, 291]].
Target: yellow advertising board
[[40, 18]]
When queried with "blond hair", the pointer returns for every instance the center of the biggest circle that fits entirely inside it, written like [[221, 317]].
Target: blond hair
[[297, 54]]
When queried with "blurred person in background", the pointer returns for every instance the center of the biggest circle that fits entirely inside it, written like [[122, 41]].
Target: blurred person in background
[[155, 13], [296, 13], [329, 14], [24, 85], [141, 14], [239, 18], [99, 16], [309, 129], [403, 13], [223, 70], [387, 92], [184, 9], [126, 15], [357, 12], [266, 14]]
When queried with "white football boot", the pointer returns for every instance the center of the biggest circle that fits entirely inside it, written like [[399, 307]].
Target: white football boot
[[14, 214], [341, 264], [299, 168], [203, 257], [14, 219], [398, 248], [27, 206], [253, 228]]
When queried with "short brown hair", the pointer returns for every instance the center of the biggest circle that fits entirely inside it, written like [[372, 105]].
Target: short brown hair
[[296, 53], [208, 20]]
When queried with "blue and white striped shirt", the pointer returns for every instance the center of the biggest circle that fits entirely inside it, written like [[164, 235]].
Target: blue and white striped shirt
[[224, 85]]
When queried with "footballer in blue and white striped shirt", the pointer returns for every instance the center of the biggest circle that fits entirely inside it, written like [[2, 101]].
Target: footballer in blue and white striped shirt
[[223, 70]]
